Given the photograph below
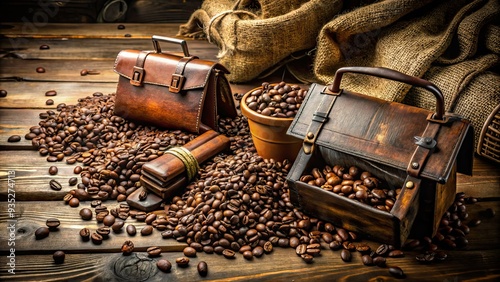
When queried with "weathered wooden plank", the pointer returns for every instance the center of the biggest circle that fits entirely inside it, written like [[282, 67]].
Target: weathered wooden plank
[[94, 49], [478, 262], [101, 30], [58, 70], [32, 94], [17, 122], [32, 215], [281, 265]]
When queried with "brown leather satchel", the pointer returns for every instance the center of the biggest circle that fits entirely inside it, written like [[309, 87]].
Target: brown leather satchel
[[171, 91]]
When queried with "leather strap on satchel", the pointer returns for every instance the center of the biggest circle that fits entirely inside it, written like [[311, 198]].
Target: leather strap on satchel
[[320, 116], [138, 72], [426, 145], [178, 77]]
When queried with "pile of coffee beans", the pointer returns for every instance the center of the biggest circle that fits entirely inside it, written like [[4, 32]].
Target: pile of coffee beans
[[110, 149], [281, 100], [353, 184], [238, 205]]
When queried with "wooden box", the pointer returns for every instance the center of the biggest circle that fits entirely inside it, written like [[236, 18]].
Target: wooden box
[[404, 146]]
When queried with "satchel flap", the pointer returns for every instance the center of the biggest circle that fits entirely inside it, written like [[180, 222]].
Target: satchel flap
[[158, 69], [384, 132]]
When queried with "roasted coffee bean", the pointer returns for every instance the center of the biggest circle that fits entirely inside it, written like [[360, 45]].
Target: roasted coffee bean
[[228, 253], [59, 257], [397, 272], [73, 181], [109, 220], [131, 230], [3, 93], [363, 248], [85, 234], [345, 255], [14, 138], [55, 185], [117, 226], [202, 268], [40, 70], [103, 231], [248, 255], [147, 230], [396, 254], [367, 260], [86, 214], [307, 258], [52, 223], [120, 26], [96, 238], [44, 47], [53, 170], [182, 261], [127, 247], [49, 102], [154, 251], [189, 252], [382, 250], [379, 261], [42, 232], [164, 265], [268, 247], [51, 93], [335, 245]]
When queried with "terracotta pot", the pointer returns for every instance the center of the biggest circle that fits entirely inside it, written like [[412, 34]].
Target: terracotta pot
[[269, 134]]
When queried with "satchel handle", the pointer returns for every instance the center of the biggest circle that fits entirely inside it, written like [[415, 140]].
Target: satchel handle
[[397, 76], [181, 42]]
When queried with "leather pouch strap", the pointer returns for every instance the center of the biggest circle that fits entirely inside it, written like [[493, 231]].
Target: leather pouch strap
[[138, 71], [426, 145], [320, 116], [178, 77]]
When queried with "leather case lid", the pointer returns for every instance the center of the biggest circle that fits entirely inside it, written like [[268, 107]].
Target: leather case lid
[[159, 68], [383, 132]]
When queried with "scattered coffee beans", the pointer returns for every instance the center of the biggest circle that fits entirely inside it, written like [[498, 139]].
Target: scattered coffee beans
[[127, 247], [164, 265], [202, 268], [14, 138], [59, 257], [52, 223], [42, 232]]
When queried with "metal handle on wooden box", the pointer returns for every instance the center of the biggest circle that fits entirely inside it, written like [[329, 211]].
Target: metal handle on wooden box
[[181, 42], [397, 76]]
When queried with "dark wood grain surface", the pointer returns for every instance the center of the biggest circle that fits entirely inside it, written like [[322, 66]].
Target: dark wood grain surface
[[74, 47]]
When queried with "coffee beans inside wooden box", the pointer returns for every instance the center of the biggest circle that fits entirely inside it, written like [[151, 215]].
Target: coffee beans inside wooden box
[[407, 148]]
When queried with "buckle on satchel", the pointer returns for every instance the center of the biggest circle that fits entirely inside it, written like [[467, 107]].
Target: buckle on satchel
[[176, 83], [137, 76]]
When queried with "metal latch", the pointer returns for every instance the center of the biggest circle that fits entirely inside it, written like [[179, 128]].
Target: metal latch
[[426, 142], [137, 76], [176, 83]]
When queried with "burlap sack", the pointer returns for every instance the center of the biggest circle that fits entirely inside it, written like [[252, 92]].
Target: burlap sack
[[251, 41], [450, 43]]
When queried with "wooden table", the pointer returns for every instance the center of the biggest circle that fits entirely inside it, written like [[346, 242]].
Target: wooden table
[[75, 47]]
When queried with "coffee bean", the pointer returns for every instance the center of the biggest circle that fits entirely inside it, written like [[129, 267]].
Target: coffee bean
[[164, 265], [73, 181], [120, 26], [396, 272], [382, 250], [147, 230], [248, 255], [55, 185], [307, 258], [189, 252], [14, 138], [182, 261], [379, 261], [40, 70], [74, 202], [229, 254], [131, 230], [53, 170], [489, 213], [154, 251], [3, 93], [96, 238], [51, 93], [44, 47], [85, 234], [367, 260], [49, 102], [345, 255], [103, 231], [117, 226], [42, 232], [127, 247], [109, 220], [52, 223], [396, 254], [268, 247], [202, 268], [59, 257]]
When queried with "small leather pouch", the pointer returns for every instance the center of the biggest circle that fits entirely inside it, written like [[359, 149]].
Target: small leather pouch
[[171, 91]]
